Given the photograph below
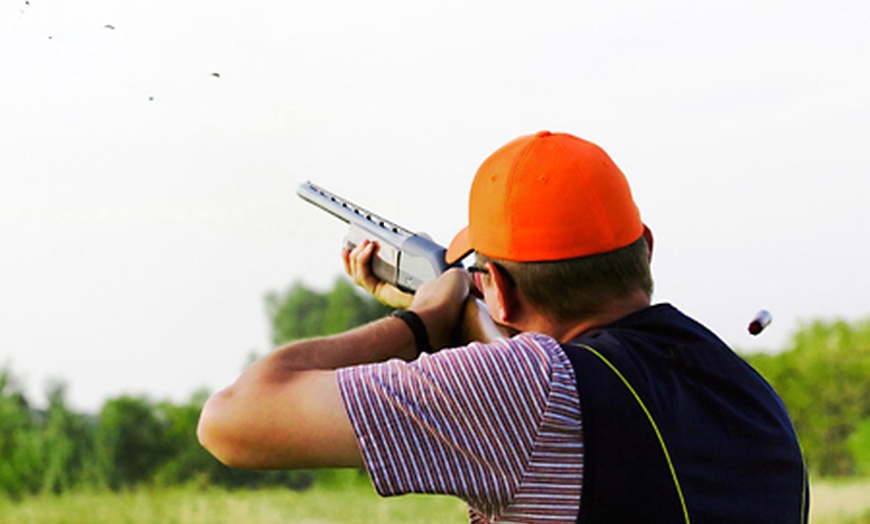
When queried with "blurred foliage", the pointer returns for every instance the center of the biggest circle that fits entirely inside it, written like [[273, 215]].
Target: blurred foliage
[[301, 312], [859, 447], [134, 441], [824, 381]]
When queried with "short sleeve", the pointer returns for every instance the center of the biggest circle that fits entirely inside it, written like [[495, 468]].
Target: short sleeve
[[463, 422]]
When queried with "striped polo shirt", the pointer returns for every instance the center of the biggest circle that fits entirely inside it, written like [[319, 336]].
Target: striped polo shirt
[[497, 425]]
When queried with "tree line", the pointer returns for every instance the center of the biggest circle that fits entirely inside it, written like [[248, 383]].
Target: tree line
[[132, 441], [823, 377], [135, 440]]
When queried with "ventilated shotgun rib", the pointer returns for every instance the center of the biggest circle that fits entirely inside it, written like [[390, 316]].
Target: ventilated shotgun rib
[[404, 258]]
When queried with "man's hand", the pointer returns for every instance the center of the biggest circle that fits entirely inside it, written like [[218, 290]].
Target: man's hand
[[453, 316], [440, 304], [478, 326], [358, 266]]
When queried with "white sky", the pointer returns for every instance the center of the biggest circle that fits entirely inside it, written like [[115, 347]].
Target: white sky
[[138, 236]]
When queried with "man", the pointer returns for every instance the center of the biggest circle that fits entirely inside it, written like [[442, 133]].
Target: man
[[600, 408]]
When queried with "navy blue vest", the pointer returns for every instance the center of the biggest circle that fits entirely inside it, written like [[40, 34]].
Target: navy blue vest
[[678, 428]]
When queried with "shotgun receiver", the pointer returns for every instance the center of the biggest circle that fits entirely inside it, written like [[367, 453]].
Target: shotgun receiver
[[404, 258]]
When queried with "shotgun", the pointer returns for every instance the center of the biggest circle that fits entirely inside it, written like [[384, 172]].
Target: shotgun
[[404, 258]]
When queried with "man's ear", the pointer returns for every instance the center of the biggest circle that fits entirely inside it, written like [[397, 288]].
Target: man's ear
[[648, 236], [505, 294]]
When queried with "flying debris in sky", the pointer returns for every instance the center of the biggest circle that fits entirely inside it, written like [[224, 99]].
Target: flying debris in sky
[[216, 75], [761, 321], [109, 26]]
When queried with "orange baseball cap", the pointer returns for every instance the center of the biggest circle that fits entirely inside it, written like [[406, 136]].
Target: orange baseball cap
[[548, 196]]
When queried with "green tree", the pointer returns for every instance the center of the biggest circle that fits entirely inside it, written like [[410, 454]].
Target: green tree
[[130, 441], [68, 445], [303, 313], [20, 451], [824, 381], [299, 313], [859, 446], [347, 307], [184, 459]]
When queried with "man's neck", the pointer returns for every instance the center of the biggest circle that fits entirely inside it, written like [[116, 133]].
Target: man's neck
[[567, 330]]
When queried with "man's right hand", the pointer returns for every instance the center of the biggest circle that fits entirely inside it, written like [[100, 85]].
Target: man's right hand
[[478, 326], [440, 303]]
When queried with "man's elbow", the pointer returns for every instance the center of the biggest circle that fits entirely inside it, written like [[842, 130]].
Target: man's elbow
[[215, 434], [279, 425]]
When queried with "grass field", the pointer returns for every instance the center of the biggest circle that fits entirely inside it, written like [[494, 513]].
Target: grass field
[[840, 502], [351, 503]]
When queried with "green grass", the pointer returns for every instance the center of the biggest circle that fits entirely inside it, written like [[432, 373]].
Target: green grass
[[353, 503], [345, 501]]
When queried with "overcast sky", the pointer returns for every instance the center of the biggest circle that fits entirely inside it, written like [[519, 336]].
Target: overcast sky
[[150, 153]]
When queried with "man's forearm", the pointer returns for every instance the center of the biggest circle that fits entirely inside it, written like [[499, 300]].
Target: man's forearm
[[374, 342]]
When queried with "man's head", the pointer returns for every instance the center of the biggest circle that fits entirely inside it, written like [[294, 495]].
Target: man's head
[[557, 214]]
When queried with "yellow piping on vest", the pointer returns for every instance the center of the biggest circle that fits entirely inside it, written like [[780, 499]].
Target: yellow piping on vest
[[652, 423]]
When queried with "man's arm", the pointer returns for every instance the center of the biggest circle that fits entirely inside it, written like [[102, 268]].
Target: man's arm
[[285, 411], [476, 323]]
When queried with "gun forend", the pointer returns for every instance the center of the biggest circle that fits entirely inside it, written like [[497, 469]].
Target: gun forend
[[404, 258]]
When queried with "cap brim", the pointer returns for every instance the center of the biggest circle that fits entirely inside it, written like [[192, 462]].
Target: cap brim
[[459, 247]]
